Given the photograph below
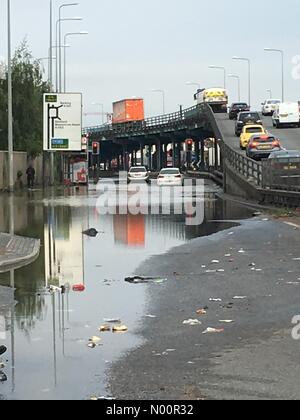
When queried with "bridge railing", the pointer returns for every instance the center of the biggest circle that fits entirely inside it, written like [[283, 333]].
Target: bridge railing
[[168, 120], [281, 174]]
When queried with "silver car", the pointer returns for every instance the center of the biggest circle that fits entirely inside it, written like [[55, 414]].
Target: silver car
[[261, 146]]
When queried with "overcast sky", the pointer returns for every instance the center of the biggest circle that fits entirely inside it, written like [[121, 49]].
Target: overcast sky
[[134, 46]]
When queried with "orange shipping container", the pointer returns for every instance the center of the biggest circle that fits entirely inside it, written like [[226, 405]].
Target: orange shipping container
[[128, 110]]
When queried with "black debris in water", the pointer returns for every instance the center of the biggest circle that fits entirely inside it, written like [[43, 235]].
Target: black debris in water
[[92, 233], [3, 350]]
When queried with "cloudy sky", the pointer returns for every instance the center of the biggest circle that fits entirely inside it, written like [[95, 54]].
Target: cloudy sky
[[134, 46]]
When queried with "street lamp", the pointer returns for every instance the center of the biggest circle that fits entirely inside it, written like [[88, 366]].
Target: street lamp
[[282, 67], [194, 84], [9, 93], [234, 76], [249, 75], [65, 54], [60, 58], [58, 50], [163, 98], [102, 109], [220, 68]]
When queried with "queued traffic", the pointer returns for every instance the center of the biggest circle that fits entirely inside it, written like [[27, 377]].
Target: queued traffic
[[255, 139]]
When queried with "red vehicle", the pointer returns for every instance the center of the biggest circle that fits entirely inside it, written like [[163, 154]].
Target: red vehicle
[[128, 110]]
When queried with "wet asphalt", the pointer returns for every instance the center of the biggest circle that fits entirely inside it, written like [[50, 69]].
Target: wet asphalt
[[255, 356]]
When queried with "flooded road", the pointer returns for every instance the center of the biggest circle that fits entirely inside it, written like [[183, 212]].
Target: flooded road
[[47, 333]]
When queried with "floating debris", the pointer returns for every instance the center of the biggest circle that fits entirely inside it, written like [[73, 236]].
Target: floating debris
[[226, 321], [95, 340], [112, 320], [3, 350], [105, 328], [240, 297], [92, 233], [145, 280], [215, 300], [120, 329], [201, 312]]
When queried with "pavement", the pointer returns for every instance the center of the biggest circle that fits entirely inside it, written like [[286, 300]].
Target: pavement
[[16, 251], [254, 282]]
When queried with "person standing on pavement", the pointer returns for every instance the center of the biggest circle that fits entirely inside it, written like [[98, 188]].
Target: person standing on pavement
[[30, 176]]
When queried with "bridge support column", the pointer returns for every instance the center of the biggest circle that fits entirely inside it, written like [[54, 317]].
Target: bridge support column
[[142, 153], [202, 155], [197, 150], [125, 161], [159, 155], [174, 147]]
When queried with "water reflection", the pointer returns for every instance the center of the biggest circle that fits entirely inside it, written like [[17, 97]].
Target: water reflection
[[48, 356]]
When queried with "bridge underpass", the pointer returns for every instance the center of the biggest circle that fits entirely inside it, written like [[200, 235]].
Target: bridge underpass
[[241, 175]]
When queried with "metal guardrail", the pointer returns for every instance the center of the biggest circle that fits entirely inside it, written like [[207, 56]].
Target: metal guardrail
[[281, 174], [173, 120]]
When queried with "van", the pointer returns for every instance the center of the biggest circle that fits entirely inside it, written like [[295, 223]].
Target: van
[[286, 114]]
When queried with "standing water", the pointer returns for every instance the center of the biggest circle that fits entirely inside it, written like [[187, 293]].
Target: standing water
[[47, 333]]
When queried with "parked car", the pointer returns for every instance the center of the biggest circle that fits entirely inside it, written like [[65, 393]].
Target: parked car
[[138, 173], [261, 146], [170, 177], [285, 154], [246, 118], [286, 114], [236, 108], [248, 132], [269, 106]]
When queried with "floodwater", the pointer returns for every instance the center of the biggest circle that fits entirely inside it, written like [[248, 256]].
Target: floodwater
[[47, 333]]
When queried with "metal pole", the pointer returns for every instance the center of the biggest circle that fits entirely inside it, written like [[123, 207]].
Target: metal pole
[[10, 113], [51, 46], [239, 87], [283, 89], [225, 75], [249, 69], [59, 19], [57, 57], [164, 102], [65, 65]]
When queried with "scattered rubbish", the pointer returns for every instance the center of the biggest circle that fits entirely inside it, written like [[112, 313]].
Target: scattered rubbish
[[203, 266], [95, 340], [105, 328], [211, 271], [2, 365], [221, 270], [201, 312], [215, 300], [192, 322], [3, 350], [92, 233], [119, 329], [252, 265], [215, 262], [213, 331], [170, 350], [92, 345], [240, 297], [55, 289], [296, 259], [3, 377], [293, 283], [151, 316], [227, 255], [230, 233], [226, 321], [112, 320], [145, 280], [242, 251], [78, 288], [191, 363], [102, 399], [257, 214]]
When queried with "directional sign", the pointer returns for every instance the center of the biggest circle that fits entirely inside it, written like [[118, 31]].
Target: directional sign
[[62, 121]]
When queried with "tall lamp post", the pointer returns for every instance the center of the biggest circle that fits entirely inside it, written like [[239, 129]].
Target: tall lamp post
[[194, 84], [235, 76], [220, 68], [163, 98], [65, 54], [249, 75], [9, 93], [282, 68], [60, 57], [58, 50]]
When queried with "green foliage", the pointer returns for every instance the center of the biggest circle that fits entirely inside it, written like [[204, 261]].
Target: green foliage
[[28, 89]]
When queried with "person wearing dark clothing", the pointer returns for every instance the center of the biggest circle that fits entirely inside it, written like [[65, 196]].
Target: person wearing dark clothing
[[30, 176]]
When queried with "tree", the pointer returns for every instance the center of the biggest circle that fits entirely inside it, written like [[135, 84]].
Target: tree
[[28, 89]]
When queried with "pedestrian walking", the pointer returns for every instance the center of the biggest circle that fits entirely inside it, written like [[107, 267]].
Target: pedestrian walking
[[30, 176]]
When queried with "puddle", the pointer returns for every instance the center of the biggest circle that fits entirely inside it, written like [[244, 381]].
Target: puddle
[[47, 334]]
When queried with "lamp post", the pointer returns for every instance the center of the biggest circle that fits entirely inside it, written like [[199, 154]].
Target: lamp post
[[234, 76], [163, 98], [282, 68], [220, 68], [51, 47], [9, 93], [60, 58], [194, 84], [249, 75], [58, 50], [269, 91], [65, 54]]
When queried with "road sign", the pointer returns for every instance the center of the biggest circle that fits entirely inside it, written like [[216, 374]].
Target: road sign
[[62, 121]]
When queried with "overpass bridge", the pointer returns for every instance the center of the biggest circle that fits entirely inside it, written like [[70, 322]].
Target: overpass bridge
[[241, 176]]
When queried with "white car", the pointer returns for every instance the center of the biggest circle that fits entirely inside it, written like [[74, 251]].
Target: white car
[[269, 106], [138, 174], [170, 177], [286, 114]]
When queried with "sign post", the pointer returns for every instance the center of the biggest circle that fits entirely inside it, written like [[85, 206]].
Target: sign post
[[62, 122]]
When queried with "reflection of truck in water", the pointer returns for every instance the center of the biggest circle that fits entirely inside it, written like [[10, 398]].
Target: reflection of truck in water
[[128, 111], [217, 98]]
